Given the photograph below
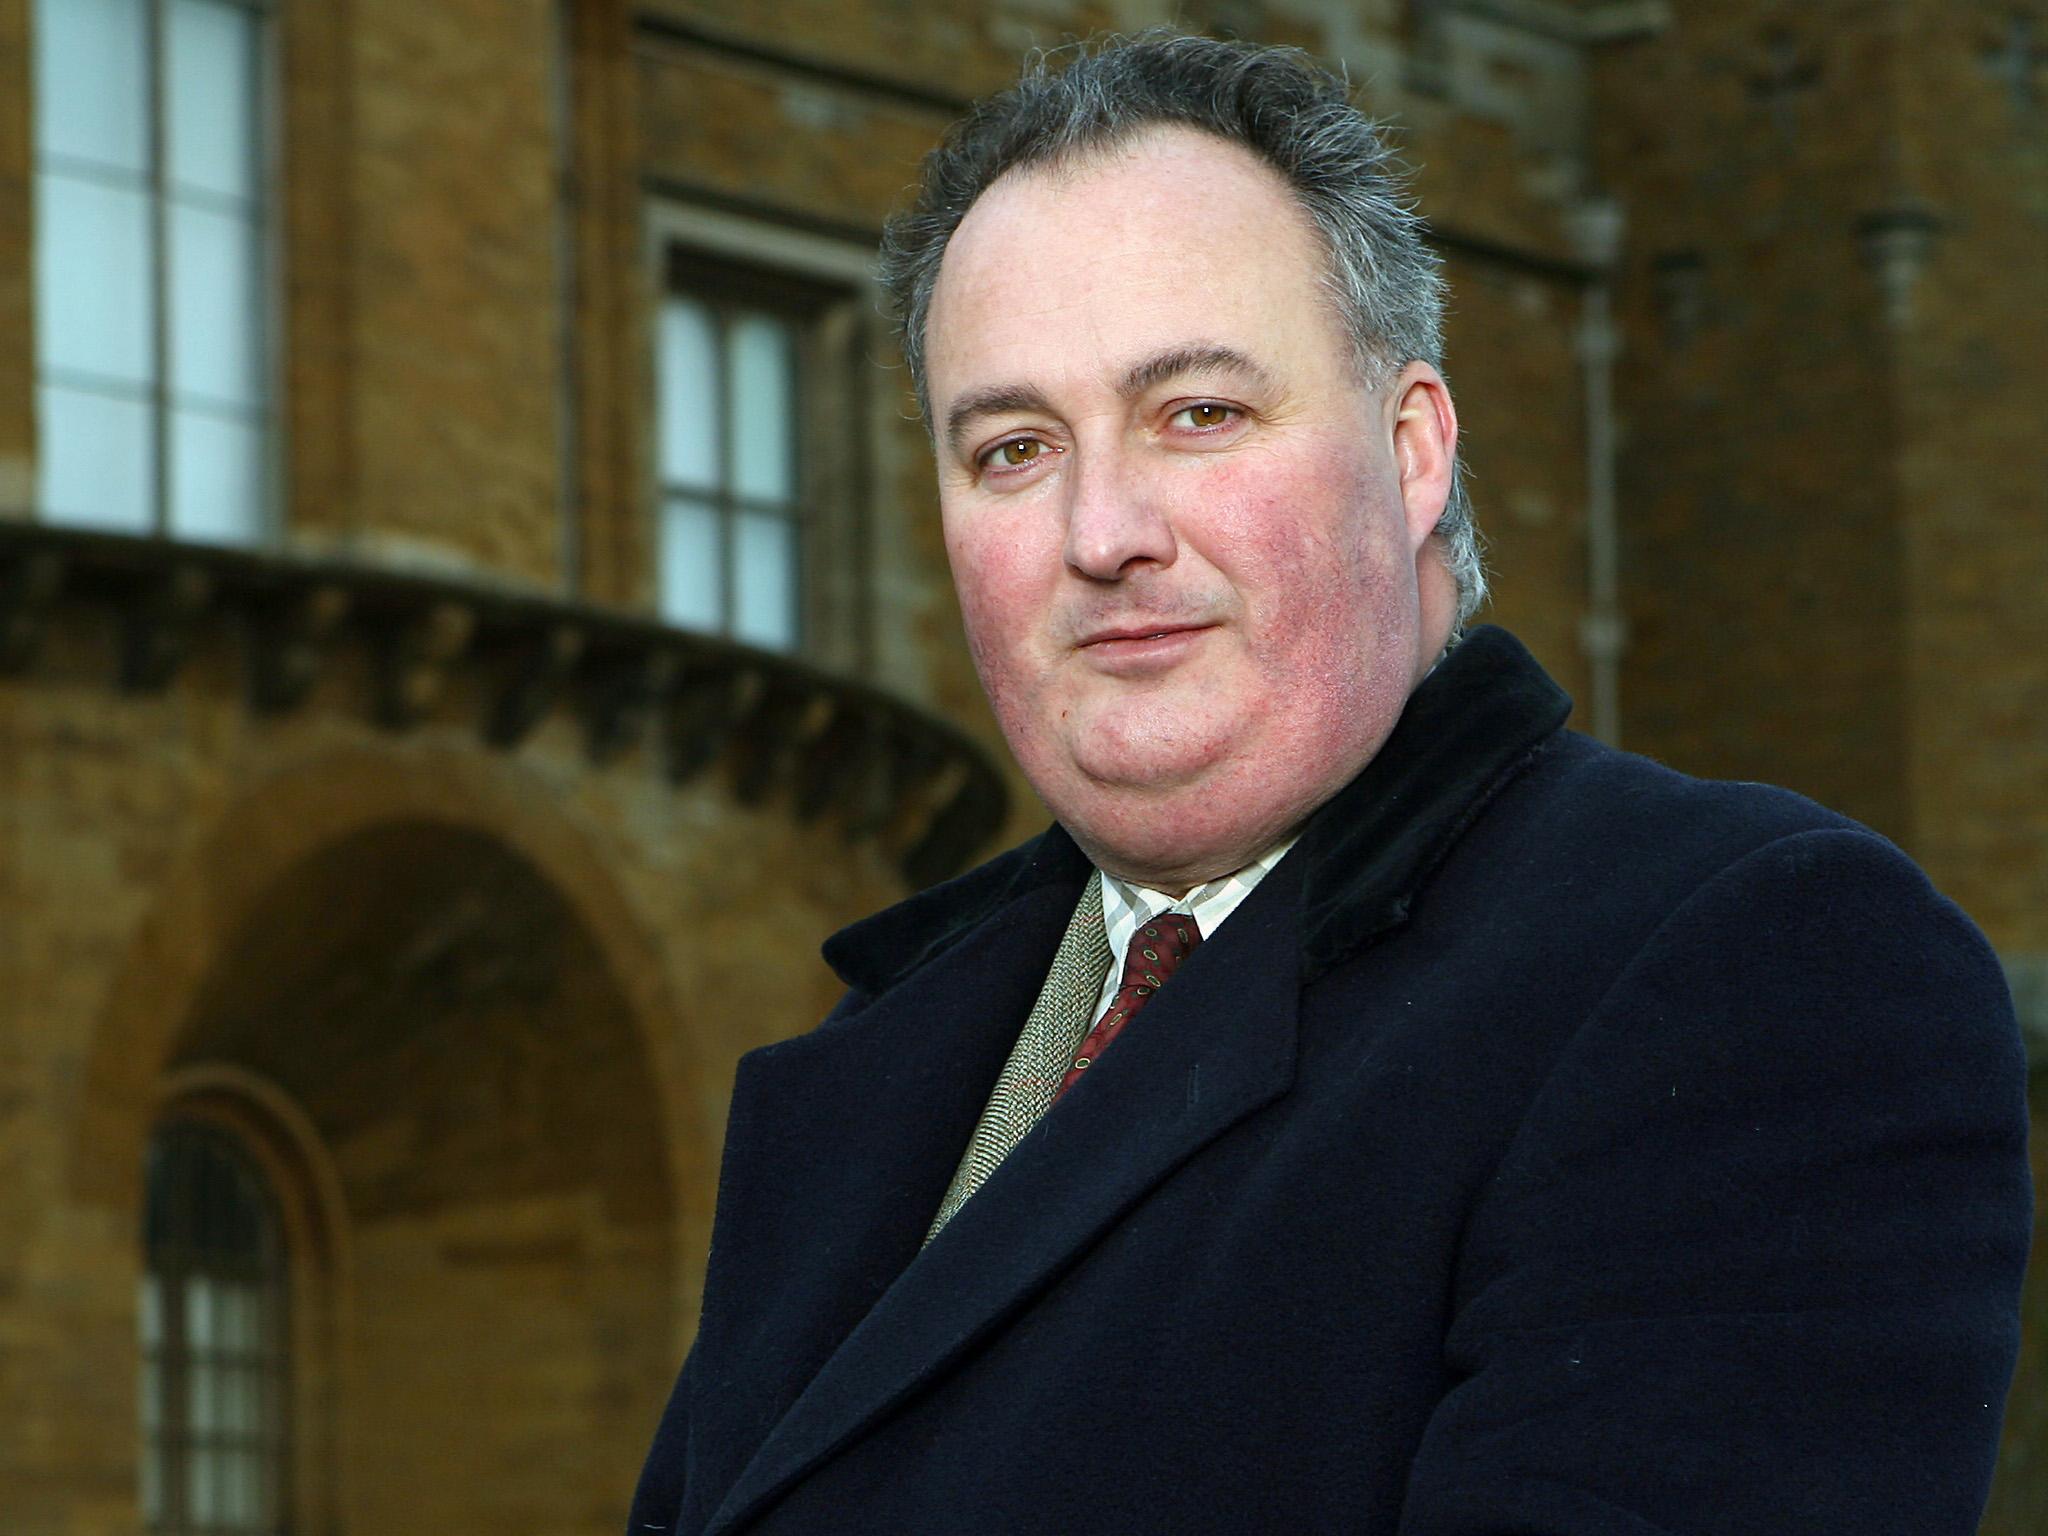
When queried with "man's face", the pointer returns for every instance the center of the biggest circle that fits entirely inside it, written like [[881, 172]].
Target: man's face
[[1190, 546]]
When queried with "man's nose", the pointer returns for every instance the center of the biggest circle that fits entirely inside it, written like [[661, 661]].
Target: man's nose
[[1115, 518]]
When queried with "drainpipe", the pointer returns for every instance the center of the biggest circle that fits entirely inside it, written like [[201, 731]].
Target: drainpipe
[[1596, 227]]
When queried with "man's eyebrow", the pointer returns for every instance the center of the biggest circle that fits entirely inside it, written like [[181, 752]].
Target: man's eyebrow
[[1197, 357], [1200, 357], [992, 401]]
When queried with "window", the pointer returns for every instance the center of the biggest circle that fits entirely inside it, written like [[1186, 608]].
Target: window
[[153, 387], [731, 517], [762, 420], [214, 1403]]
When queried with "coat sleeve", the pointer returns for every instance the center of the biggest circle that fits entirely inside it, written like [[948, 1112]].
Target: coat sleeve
[[1752, 1261]]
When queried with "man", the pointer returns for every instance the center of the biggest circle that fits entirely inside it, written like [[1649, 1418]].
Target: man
[[1530, 1139]]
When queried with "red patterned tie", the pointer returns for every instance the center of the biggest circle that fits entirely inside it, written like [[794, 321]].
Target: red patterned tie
[[1156, 951]]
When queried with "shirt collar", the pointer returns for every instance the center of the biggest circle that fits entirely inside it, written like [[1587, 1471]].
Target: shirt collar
[[1125, 906]]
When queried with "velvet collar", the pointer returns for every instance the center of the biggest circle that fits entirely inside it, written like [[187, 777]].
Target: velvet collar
[[1471, 726]]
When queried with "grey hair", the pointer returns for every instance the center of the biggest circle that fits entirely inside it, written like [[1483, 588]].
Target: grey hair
[[1278, 103]]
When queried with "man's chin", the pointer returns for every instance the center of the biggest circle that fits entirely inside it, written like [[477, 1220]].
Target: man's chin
[[1146, 778], [1145, 763]]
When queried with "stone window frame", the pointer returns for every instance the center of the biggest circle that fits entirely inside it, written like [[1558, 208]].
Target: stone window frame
[[828, 285]]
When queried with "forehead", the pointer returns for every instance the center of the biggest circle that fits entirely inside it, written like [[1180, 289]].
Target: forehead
[[1174, 235]]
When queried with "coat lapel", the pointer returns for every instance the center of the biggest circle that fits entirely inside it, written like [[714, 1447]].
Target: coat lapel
[[839, 1146], [1214, 1046]]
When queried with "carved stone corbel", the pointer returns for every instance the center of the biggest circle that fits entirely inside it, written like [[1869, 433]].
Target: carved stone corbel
[[29, 585], [288, 643], [831, 761], [538, 678], [624, 689], [158, 624], [866, 785], [701, 713], [912, 779], [767, 740], [704, 709], [416, 660]]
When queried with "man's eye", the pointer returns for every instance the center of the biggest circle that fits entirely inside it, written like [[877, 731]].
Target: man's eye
[[1204, 416], [1016, 453]]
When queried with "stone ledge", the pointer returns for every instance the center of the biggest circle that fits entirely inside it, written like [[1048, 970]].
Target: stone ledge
[[827, 743]]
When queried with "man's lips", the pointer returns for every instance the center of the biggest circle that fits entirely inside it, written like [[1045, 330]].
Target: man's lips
[[1140, 650], [1137, 634]]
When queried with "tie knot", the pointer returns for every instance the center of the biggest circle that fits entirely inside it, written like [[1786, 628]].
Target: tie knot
[[1157, 949]]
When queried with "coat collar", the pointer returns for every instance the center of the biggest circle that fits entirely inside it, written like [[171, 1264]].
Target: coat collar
[[1469, 728]]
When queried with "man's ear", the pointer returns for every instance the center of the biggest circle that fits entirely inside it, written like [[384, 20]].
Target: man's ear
[[1425, 446]]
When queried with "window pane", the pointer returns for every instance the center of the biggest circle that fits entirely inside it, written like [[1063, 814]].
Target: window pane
[[148, 1394], [98, 460], [202, 1412], [93, 309], [202, 1487], [216, 482], [764, 580], [216, 306], [688, 384], [211, 84], [199, 1329], [92, 101], [239, 1415], [241, 1500], [228, 1319], [689, 564], [763, 408]]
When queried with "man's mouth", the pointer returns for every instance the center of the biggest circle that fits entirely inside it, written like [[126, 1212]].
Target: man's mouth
[[1141, 650], [1137, 633]]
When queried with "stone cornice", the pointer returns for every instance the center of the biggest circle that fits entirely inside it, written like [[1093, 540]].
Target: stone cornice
[[879, 766]]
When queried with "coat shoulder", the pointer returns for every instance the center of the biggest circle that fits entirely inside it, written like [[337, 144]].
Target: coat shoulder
[[1588, 819], [1580, 786], [1593, 855]]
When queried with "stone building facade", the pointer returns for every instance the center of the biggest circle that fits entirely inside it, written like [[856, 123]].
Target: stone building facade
[[393, 866]]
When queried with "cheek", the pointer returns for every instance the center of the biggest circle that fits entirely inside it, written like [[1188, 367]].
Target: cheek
[[990, 590], [1318, 561], [1315, 554], [1000, 606]]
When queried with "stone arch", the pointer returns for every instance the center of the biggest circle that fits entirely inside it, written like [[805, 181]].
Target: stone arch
[[422, 955], [287, 818]]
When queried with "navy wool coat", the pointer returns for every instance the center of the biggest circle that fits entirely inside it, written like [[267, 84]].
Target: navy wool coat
[[1551, 1145]]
